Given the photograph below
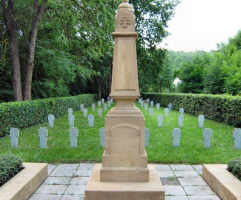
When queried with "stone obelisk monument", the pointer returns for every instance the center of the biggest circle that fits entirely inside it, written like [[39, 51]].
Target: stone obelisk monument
[[124, 173]]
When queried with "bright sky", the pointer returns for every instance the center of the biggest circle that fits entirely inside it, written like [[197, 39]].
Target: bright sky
[[201, 24]]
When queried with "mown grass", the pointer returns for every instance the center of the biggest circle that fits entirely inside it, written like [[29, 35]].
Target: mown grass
[[160, 149]]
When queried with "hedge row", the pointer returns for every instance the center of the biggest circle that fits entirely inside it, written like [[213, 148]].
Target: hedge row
[[10, 165], [28, 113], [221, 108], [234, 167]]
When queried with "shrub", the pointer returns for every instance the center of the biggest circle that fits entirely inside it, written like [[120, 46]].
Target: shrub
[[234, 166], [221, 108], [28, 113], [10, 165]]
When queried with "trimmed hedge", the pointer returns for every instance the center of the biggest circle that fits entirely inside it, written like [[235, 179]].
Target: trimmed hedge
[[28, 113], [10, 165], [234, 166], [221, 108]]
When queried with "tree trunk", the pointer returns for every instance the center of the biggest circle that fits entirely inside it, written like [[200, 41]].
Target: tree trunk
[[9, 19], [17, 85], [38, 10]]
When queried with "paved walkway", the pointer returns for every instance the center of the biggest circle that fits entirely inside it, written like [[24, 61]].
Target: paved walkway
[[67, 182]]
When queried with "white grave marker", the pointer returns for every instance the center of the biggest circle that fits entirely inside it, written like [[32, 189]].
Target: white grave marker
[[166, 110], [91, 120], [43, 135], [201, 119], [93, 107], [100, 112], [160, 120], [73, 133], [158, 106], [51, 121], [207, 136], [14, 134], [176, 135]]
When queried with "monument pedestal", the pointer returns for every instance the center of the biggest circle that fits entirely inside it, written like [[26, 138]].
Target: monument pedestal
[[151, 190]]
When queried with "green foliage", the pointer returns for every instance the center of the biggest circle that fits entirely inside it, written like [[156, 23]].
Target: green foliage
[[234, 166], [192, 73], [214, 72], [10, 165], [221, 108], [28, 113]]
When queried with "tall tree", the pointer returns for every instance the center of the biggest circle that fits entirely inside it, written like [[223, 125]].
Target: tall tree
[[13, 22]]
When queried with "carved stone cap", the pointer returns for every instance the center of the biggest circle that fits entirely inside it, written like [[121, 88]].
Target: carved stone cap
[[125, 18]]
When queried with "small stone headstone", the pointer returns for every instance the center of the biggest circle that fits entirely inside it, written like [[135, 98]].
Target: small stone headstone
[[85, 112], [91, 120], [102, 100], [152, 103], [70, 110], [73, 133], [180, 121], [166, 110], [207, 136], [43, 135], [145, 106], [100, 112], [71, 121], [148, 100], [151, 111], [142, 103], [105, 106], [160, 120], [51, 121], [147, 135], [93, 107], [99, 103], [201, 119], [109, 104], [237, 138], [176, 135], [14, 134], [181, 110], [82, 107], [158, 106], [170, 106], [102, 137]]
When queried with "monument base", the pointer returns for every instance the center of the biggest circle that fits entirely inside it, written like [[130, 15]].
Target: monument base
[[152, 190]]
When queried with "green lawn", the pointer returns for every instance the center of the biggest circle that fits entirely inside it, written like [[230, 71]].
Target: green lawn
[[160, 149]]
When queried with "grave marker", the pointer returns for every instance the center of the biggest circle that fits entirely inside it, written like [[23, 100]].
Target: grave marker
[[180, 121], [237, 138], [102, 137], [100, 112], [170, 106], [158, 106], [14, 134], [166, 112], [176, 135], [85, 112], [152, 103], [201, 119], [71, 121], [160, 120], [207, 136], [73, 133], [145, 106], [93, 107], [43, 134], [105, 106], [91, 120], [151, 112], [51, 121], [181, 110]]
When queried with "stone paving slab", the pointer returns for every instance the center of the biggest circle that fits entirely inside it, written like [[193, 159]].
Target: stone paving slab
[[68, 181]]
